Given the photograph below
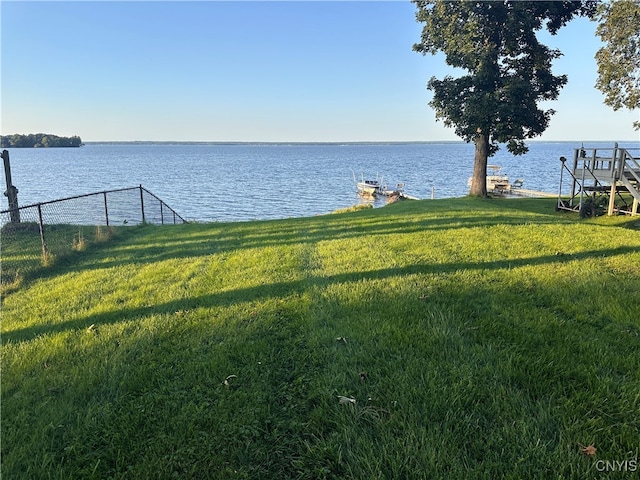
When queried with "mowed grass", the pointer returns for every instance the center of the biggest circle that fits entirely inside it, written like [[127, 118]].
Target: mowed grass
[[478, 338]]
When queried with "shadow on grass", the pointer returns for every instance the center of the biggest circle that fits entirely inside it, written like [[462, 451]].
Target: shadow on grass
[[283, 289], [153, 244], [147, 244], [22, 260]]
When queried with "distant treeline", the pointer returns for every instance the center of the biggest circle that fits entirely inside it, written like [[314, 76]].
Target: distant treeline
[[38, 140]]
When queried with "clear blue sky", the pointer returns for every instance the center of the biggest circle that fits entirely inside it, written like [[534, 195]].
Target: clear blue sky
[[251, 71]]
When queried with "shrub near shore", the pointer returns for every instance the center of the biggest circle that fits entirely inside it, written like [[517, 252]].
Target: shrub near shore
[[470, 339]]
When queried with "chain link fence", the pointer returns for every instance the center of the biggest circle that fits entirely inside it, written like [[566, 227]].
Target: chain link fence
[[36, 235]]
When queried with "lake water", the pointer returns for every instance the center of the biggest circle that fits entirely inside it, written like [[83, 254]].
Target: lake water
[[233, 182]]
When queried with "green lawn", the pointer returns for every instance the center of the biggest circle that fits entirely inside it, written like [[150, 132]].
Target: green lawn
[[479, 339]]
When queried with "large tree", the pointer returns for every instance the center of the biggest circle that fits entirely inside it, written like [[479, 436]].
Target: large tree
[[619, 59], [509, 70]]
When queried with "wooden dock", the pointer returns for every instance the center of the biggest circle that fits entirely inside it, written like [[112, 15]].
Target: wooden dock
[[524, 192], [408, 197]]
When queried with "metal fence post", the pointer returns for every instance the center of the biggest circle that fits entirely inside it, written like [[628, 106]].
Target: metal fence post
[[142, 204], [54, 241], [42, 239], [106, 209], [161, 214]]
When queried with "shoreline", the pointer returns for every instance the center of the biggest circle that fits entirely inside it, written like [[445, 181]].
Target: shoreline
[[366, 143]]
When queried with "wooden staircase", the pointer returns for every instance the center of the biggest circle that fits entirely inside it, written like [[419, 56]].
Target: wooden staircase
[[629, 175]]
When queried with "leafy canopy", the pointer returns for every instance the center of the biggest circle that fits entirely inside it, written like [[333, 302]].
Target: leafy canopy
[[509, 70], [619, 59]]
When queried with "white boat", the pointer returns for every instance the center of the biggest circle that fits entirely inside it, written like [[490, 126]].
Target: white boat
[[369, 187], [498, 182], [393, 192]]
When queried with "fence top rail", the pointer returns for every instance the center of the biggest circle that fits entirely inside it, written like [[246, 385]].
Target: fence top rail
[[139, 187], [32, 205], [163, 202]]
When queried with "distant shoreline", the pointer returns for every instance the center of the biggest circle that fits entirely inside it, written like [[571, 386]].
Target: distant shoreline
[[177, 142], [419, 142]]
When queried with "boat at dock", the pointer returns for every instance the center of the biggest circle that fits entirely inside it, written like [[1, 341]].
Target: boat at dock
[[369, 187], [375, 187], [498, 182]]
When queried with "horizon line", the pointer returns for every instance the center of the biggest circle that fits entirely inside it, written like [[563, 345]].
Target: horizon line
[[328, 142]]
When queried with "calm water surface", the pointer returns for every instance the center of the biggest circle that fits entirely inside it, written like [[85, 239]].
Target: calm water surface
[[219, 182]]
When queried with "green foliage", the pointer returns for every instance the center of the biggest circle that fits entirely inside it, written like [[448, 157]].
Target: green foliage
[[38, 140], [509, 70], [619, 59], [480, 339]]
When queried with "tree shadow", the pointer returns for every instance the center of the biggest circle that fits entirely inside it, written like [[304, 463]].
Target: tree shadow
[[154, 244], [147, 244], [284, 289]]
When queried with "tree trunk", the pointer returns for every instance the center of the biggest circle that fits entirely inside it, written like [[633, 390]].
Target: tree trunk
[[479, 179]]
